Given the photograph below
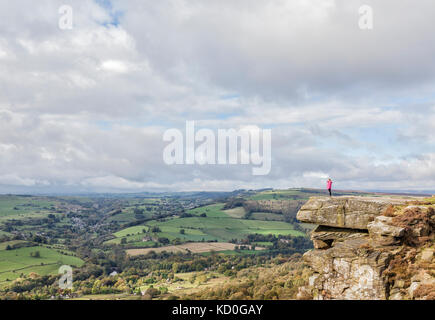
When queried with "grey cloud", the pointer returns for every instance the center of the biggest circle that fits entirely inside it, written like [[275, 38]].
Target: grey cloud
[[85, 109]]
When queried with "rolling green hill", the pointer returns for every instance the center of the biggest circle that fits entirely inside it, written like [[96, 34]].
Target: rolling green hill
[[15, 262]]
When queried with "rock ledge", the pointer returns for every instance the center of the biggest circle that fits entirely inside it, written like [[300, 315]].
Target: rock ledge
[[357, 248]]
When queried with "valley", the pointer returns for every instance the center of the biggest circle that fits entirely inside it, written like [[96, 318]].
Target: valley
[[154, 246]]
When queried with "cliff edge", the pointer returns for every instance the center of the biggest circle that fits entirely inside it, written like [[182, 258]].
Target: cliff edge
[[370, 248]]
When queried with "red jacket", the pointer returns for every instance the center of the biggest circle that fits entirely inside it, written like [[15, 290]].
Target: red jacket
[[329, 184]]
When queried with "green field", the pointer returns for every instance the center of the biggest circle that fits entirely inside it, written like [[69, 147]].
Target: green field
[[280, 195], [23, 207], [212, 211], [127, 215], [134, 235], [263, 243], [15, 262], [267, 216], [222, 229], [135, 239], [238, 212], [3, 245], [217, 211], [130, 231]]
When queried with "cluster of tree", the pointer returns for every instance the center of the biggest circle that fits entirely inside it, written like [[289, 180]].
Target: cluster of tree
[[35, 254], [19, 245], [280, 280], [233, 203], [281, 244], [96, 277]]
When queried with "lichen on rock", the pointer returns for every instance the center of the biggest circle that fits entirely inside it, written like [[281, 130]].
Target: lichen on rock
[[360, 254]]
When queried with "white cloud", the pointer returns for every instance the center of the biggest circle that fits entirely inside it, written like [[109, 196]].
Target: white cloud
[[115, 66], [86, 108], [315, 175]]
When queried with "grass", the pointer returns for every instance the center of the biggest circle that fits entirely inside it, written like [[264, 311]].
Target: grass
[[3, 245], [280, 195], [17, 261], [263, 243], [218, 225], [130, 239], [194, 247], [130, 231], [19, 207], [267, 216], [109, 296], [134, 235], [127, 215], [225, 229], [197, 229], [141, 244], [223, 234], [212, 211], [238, 212]]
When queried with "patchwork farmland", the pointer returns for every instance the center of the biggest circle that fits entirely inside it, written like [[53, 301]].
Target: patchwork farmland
[[193, 247]]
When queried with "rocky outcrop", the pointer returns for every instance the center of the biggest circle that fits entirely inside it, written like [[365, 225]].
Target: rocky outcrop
[[360, 253], [383, 232], [344, 212]]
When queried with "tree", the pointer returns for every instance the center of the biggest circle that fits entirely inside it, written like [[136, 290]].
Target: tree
[[152, 292], [163, 290], [163, 240], [138, 211], [156, 229], [35, 254], [182, 231]]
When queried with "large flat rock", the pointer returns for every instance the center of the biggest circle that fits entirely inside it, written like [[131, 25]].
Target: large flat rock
[[345, 212]]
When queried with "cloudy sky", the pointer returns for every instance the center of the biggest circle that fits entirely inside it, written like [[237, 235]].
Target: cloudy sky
[[85, 109]]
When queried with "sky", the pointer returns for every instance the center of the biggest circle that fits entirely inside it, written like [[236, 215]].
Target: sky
[[85, 109]]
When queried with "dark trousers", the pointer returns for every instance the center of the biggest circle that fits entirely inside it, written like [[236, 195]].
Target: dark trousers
[[330, 194]]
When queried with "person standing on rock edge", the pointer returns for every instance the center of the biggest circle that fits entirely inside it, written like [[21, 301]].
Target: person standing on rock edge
[[329, 186]]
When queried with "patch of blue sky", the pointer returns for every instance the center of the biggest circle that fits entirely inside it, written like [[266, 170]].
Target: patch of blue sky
[[114, 15], [413, 99], [104, 125], [230, 96]]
